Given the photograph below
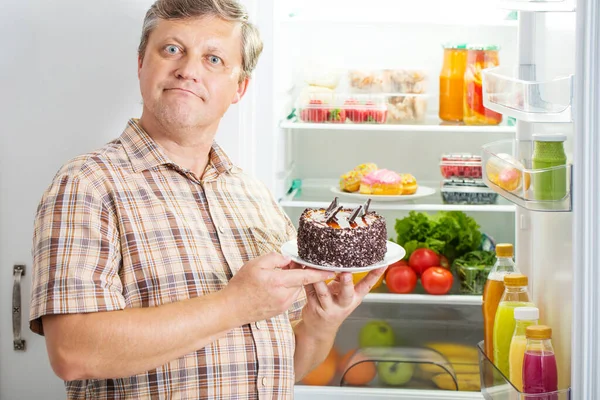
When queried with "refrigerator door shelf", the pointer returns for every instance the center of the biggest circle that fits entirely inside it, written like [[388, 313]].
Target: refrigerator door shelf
[[529, 101], [514, 179], [415, 298], [496, 386], [539, 6]]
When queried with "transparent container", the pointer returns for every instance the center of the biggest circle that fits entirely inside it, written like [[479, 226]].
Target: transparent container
[[467, 191], [406, 109], [479, 57], [472, 278], [401, 81], [514, 179], [541, 100], [358, 109], [460, 166], [496, 386]]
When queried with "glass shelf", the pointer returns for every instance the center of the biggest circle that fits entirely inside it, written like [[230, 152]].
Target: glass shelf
[[527, 100], [538, 5], [495, 386], [511, 176]]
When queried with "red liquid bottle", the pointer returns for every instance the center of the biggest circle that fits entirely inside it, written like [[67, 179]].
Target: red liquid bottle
[[540, 375]]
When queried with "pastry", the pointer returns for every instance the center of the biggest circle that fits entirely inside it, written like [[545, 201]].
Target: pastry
[[409, 184], [342, 237], [364, 169], [350, 182], [381, 182]]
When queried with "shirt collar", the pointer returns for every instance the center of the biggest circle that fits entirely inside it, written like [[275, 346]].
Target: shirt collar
[[144, 153]]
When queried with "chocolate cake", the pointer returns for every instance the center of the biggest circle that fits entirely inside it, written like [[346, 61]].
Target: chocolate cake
[[342, 237]]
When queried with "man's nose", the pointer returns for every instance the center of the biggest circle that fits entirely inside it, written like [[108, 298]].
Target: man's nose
[[189, 69]]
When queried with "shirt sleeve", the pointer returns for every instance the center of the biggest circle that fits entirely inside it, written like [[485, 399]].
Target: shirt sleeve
[[76, 255]]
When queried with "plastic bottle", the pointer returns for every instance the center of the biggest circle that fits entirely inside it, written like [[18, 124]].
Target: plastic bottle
[[451, 82], [540, 374], [524, 317], [492, 293], [548, 152], [515, 295]]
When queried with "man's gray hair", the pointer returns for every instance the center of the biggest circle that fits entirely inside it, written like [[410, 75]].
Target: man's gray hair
[[229, 10]]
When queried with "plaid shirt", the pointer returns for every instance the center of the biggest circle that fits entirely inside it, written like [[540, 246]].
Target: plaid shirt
[[125, 227]]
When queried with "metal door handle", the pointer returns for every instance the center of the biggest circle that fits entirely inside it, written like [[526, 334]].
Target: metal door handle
[[18, 343]]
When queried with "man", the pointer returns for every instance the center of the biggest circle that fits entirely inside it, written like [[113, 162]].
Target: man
[[155, 265]]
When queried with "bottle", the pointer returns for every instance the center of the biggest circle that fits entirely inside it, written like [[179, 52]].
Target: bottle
[[548, 152], [478, 58], [540, 374], [492, 292], [524, 317], [515, 295], [452, 78]]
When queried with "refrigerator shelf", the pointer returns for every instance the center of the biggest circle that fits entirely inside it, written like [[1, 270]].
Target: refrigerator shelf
[[530, 101], [449, 299], [495, 386], [539, 6], [430, 125], [316, 193], [360, 393], [511, 176]]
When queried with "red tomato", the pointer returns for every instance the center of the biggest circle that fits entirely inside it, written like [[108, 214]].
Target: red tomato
[[401, 263], [400, 279], [437, 280], [444, 261], [421, 259]]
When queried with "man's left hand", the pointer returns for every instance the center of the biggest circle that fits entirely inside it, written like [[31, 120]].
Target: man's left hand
[[329, 304]]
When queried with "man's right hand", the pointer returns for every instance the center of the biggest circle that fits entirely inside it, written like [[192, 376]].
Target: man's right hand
[[265, 287]]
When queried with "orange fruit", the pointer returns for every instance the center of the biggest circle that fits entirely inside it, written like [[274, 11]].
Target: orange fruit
[[360, 372], [358, 276], [324, 372]]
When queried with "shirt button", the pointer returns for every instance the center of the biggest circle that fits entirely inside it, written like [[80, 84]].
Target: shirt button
[[257, 325], [264, 381], [222, 230]]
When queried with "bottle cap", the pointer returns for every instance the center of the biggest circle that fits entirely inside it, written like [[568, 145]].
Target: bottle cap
[[527, 313], [539, 332], [504, 250], [549, 137], [485, 47], [451, 45], [513, 280]]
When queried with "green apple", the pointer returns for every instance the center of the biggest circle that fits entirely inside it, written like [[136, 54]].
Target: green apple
[[395, 373], [376, 334]]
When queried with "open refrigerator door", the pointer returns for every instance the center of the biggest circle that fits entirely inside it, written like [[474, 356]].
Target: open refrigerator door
[[354, 84]]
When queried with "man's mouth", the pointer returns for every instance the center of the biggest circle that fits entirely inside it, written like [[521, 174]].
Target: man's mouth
[[184, 90]]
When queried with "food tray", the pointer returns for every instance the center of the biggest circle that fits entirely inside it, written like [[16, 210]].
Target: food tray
[[460, 166], [399, 80], [467, 191], [406, 109], [365, 109]]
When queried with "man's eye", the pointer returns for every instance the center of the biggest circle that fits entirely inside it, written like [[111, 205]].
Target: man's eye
[[214, 60], [171, 49]]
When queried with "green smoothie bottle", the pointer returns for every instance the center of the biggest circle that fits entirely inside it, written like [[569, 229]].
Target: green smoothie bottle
[[548, 152]]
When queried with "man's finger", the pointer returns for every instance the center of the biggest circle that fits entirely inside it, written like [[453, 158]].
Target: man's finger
[[346, 295], [274, 261], [302, 277], [323, 294], [364, 286]]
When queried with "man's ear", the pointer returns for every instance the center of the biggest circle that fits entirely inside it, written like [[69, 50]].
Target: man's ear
[[241, 90], [140, 62]]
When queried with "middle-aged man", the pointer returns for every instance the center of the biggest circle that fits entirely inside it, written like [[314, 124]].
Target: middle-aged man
[[156, 272]]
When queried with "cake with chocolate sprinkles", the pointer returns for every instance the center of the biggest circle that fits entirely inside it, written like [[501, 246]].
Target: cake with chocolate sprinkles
[[342, 237]]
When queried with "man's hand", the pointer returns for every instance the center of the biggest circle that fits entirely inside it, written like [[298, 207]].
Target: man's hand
[[266, 286], [330, 304]]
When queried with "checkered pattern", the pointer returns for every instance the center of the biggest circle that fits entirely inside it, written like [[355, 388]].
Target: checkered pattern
[[125, 227]]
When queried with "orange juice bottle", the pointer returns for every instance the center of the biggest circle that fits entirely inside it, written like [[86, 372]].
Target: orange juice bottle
[[492, 292]]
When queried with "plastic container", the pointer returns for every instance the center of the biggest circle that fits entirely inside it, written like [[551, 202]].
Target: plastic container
[[452, 82], [472, 278], [524, 317], [549, 152], [478, 58], [396, 81], [460, 166], [343, 109], [496, 386], [540, 373], [467, 191], [407, 109]]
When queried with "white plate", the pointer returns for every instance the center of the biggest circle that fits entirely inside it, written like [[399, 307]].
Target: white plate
[[394, 253], [422, 191]]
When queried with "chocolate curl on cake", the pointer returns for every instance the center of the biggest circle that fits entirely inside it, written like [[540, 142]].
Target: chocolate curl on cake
[[331, 215], [332, 206], [365, 207], [354, 214]]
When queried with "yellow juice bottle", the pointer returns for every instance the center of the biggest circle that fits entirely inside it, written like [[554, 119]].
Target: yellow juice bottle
[[515, 295], [524, 317]]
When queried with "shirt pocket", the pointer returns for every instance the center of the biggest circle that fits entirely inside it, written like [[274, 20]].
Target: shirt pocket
[[265, 240]]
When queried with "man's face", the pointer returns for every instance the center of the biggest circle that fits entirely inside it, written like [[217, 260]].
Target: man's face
[[190, 71]]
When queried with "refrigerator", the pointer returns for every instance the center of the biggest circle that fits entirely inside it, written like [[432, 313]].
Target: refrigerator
[[71, 62]]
